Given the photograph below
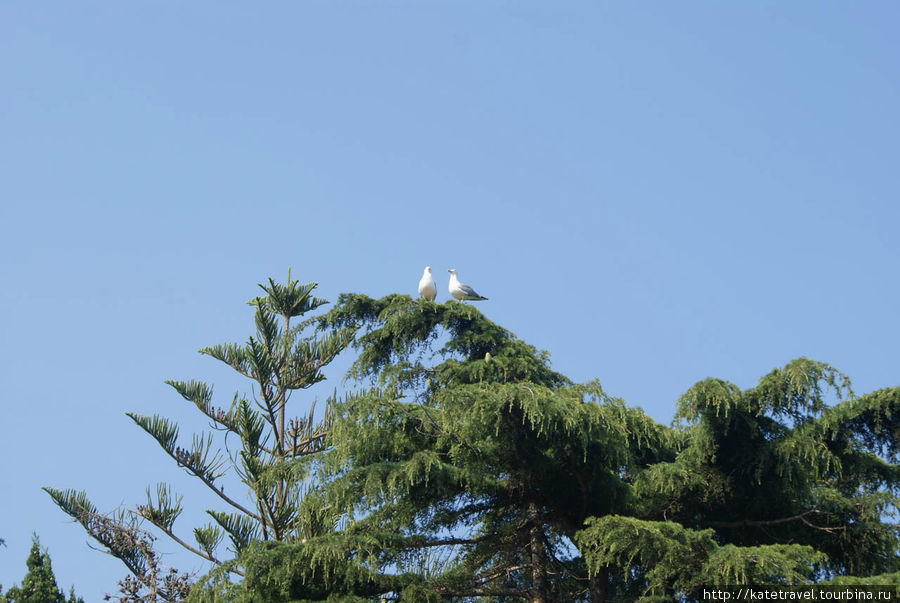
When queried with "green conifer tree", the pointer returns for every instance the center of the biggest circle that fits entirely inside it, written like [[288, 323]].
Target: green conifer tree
[[770, 485], [278, 360], [469, 477], [39, 584]]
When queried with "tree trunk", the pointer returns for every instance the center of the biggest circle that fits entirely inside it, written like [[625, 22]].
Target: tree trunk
[[539, 593], [598, 585]]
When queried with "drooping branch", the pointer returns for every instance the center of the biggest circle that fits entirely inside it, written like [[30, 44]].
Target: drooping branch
[[127, 542]]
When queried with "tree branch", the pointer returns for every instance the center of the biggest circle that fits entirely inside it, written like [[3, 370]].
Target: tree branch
[[220, 492], [750, 523], [198, 552]]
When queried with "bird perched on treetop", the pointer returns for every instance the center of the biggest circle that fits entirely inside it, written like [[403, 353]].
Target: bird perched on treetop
[[461, 291], [427, 290]]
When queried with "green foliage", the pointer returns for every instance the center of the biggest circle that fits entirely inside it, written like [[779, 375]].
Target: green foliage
[[241, 529], [272, 460], [208, 537], [39, 584], [776, 464], [665, 558], [399, 332], [164, 510], [280, 572], [891, 579]]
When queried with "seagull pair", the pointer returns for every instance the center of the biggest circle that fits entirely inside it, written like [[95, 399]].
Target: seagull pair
[[460, 291]]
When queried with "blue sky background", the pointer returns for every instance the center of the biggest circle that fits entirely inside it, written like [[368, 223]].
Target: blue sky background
[[655, 192]]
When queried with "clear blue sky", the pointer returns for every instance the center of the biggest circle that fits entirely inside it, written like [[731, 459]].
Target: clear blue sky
[[655, 192]]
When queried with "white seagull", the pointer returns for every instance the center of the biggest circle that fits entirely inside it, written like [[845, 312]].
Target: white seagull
[[461, 291], [427, 290]]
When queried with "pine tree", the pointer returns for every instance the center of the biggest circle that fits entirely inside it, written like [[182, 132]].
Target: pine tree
[[39, 584], [465, 478], [770, 485], [278, 360]]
